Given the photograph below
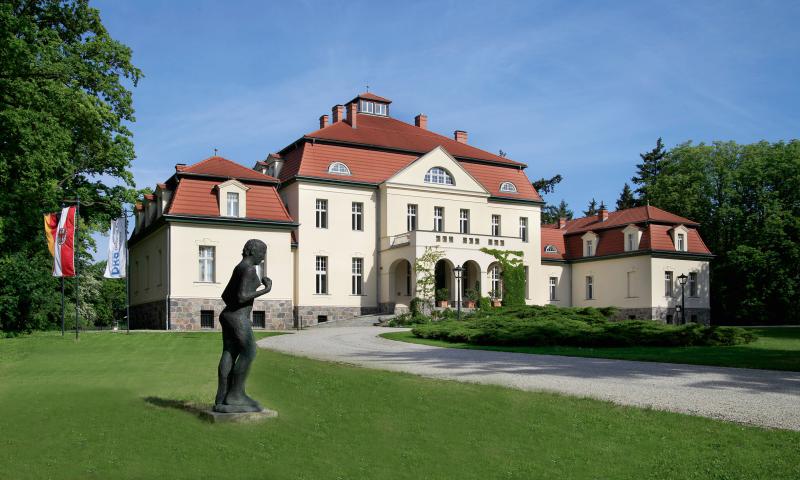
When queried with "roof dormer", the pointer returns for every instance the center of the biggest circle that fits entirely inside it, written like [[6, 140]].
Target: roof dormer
[[633, 235], [680, 238], [232, 199], [590, 241], [371, 104]]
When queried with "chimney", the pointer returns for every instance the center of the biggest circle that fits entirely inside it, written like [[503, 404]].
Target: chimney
[[337, 113], [179, 167], [351, 114], [602, 213], [421, 121], [323, 121], [460, 136], [562, 222]]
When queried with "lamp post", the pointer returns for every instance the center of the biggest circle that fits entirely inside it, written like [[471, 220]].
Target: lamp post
[[682, 280], [458, 270]]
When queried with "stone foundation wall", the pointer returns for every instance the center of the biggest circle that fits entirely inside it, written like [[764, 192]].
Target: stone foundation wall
[[308, 316], [665, 315], [393, 308], [149, 316], [185, 312]]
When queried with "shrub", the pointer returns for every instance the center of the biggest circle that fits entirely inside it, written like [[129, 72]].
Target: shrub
[[442, 294], [408, 319], [484, 303]]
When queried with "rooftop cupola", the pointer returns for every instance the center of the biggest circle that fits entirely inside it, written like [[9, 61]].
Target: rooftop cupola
[[372, 104]]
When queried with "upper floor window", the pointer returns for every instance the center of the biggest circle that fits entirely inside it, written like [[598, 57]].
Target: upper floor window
[[206, 259], [463, 221], [338, 168], [680, 242], [357, 219], [233, 204], [508, 187], [496, 225], [631, 241], [589, 248], [550, 249], [523, 228], [375, 108], [440, 176], [411, 217], [322, 213], [438, 219]]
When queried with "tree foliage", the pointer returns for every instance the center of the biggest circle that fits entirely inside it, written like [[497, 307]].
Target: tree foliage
[[546, 185], [551, 213], [64, 107], [425, 270], [648, 172], [747, 201], [513, 274], [626, 198], [591, 209]]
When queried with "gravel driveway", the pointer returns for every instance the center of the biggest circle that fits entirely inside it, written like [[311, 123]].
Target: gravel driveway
[[760, 397]]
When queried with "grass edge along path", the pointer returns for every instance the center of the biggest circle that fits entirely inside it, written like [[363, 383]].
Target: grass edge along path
[[76, 409], [777, 348]]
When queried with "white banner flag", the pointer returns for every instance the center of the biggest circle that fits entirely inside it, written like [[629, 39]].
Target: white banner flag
[[115, 267]]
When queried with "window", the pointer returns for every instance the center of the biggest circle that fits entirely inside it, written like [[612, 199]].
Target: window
[[497, 282], [589, 287], [322, 213], [322, 275], [438, 219], [496, 225], [508, 187], [631, 242], [681, 243], [692, 284], [550, 249], [553, 285], [589, 248], [357, 221], [207, 263], [322, 318], [338, 168], [631, 284], [408, 279], [411, 218], [357, 277], [233, 204], [463, 221], [667, 284], [259, 319], [206, 318], [365, 106], [523, 228], [439, 176]]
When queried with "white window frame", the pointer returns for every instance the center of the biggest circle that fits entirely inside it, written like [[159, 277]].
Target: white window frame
[[553, 288], [357, 217], [550, 249], [633, 235], [357, 276], [321, 275], [232, 204], [439, 176], [589, 287], [590, 244], [321, 213], [339, 168], [669, 283], [680, 242], [411, 217], [631, 278], [438, 219], [523, 229], [508, 187], [496, 280], [206, 256], [680, 238], [496, 231], [463, 221]]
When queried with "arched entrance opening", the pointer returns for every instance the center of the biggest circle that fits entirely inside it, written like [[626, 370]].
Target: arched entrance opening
[[401, 282], [443, 273], [470, 278]]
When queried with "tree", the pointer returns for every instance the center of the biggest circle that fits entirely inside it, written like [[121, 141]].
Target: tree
[[546, 185], [513, 274], [551, 213], [425, 270], [591, 209], [63, 113], [626, 198], [648, 172]]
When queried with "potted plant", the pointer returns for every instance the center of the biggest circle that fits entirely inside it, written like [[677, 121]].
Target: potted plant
[[442, 297], [497, 300], [472, 296]]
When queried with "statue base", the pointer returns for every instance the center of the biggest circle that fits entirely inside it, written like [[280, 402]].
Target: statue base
[[212, 416]]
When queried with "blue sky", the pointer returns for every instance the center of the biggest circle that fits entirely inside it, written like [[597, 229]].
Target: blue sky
[[576, 88]]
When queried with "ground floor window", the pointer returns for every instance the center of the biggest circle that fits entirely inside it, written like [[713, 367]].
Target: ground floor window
[[692, 284], [589, 287], [322, 275], [553, 284], [497, 281], [357, 277], [206, 318], [259, 319]]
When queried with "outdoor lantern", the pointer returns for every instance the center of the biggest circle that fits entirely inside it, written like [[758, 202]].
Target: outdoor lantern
[[682, 280]]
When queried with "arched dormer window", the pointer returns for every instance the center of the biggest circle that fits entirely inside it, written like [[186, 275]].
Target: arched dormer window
[[338, 168], [439, 176], [550, 249], [508, 187]]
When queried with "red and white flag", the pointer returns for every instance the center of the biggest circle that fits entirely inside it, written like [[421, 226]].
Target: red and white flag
[[64, 252]]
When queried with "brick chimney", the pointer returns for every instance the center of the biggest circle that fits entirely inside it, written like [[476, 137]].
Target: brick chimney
[[460, 136], [421, 121], [602, 213], [562, 222], [352, 116], [337, 113], [323, 121], [179, 167]]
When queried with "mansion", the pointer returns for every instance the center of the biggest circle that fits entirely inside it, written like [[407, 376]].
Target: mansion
[[347, 209]]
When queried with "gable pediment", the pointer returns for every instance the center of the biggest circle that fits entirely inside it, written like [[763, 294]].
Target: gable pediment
[[414, 175]]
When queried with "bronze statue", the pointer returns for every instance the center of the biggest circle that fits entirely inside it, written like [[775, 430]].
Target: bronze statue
[[238, 343]]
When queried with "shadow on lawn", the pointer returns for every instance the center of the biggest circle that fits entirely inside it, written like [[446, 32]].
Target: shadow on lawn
[[183, 405]]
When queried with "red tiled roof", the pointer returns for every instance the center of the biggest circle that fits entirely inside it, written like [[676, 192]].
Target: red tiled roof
[[375, 166], [387, 132], [371, 96], [222, 167], [199, 197], [611, 239]]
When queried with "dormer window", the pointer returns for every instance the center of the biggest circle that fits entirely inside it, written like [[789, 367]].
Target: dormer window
[[508, 187], [439, 176], [680, 238], [590, 241], [233, 204], [633, 236], [374, 108], [550, 249], [338, 168]]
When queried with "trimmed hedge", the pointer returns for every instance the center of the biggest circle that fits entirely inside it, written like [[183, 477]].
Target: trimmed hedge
[[575, 327]]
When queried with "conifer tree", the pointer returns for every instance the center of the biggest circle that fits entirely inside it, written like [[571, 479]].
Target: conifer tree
[[626, 198], [647, 172], [592, 210]]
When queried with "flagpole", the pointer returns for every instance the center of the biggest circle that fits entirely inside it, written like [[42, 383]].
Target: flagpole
[[62, 290], [77, 273], [127, 276]]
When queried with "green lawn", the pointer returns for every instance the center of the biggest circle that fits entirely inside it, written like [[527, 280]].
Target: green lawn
[[776, 349], [76, 410]]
